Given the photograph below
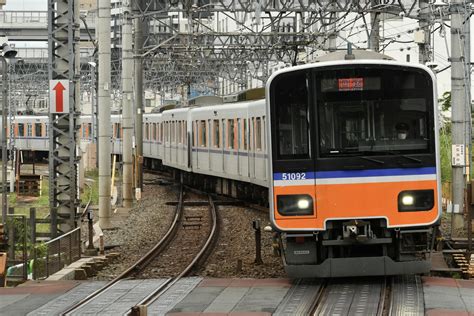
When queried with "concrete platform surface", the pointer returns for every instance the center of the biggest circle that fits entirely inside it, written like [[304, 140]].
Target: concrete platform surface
[[198, 296]]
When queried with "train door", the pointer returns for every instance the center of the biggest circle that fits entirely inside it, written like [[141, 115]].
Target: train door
[[293, 178]]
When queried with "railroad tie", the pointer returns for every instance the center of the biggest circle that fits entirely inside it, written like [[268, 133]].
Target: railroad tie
[[192, 222], [461, 261]]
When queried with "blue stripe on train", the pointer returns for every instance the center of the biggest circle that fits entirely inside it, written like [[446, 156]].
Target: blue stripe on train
[[354, 173]]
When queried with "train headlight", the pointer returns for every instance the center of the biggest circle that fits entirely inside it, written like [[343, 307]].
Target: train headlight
[[295, 205], [407, 200], [416, 200]]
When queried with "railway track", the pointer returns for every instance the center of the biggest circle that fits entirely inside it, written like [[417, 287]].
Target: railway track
[[182, 216], [380, 296]]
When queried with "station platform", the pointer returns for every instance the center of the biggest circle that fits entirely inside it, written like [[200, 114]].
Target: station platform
[[198, 296]]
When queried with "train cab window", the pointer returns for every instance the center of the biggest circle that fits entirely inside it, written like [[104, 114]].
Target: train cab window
[[366, 112], [216, 139], [202, 134], [38, 130], [21, 129], [230, 133], [292, 119]]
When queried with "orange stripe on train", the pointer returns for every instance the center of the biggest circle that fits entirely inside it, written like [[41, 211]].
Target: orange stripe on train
[[356, 201]]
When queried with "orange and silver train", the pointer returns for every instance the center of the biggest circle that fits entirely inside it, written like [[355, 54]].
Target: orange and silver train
[[354, 159]]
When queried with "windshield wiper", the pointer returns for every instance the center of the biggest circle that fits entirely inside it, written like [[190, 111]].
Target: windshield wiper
[[373, 160], [394, 154]]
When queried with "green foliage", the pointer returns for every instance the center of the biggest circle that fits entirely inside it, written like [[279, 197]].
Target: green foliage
[[445, 101], [12, 198], [91, 189], [445, 152]]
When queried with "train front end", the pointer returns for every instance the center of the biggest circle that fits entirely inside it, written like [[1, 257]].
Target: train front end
[[355, 162]]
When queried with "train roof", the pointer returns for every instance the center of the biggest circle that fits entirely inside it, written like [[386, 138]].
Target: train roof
[[356, 54]]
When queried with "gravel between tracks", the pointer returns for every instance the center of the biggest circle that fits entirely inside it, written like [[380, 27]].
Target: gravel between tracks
[[233, 255]]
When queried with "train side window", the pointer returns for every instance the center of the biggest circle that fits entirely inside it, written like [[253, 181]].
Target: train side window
[[180, 132], [29, 130], [21, 129], [89, 130], [46, 130], [239, 133], [146, 131], [223, 137], [194, 133], [252, 134], [230, 133], [244, 135], [185, 140], [263, 133], [258, 133], [216, 139], [203, 134], [38, 129]]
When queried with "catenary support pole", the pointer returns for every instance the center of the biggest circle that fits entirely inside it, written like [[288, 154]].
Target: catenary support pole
[[138, 23], [459, 102], [424, 46], [103, 108], [63, 35], [374, 36], [127, 94]]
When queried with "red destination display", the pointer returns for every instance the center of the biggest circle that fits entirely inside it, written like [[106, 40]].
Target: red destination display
[[351, 84]]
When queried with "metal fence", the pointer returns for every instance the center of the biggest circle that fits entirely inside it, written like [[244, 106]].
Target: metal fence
[[52, 256]]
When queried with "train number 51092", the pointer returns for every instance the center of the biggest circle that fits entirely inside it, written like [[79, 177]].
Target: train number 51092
[[293, 176]]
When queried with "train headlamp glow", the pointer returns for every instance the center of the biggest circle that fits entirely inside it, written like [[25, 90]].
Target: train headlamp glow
[[295, 205], [408, 200], [303, 204], [416, 200]]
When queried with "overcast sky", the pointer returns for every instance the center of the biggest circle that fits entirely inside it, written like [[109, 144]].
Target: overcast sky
[[26, 5]]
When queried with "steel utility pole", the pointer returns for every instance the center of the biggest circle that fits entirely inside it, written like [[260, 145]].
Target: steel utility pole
[[139, 108], [63, 32], [459, 94], [127, 110], [103, 109]]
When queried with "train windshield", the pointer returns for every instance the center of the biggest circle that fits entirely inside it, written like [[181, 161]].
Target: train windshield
[[368, 112]]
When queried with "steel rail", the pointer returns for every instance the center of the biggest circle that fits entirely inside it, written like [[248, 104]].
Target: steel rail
[[147, 301], [141, 263]]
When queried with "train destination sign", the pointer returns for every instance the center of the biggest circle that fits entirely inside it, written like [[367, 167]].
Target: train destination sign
[[351, 84], [59, 96]]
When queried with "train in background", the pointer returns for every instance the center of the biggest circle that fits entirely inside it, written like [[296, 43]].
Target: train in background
[[345, 151]]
